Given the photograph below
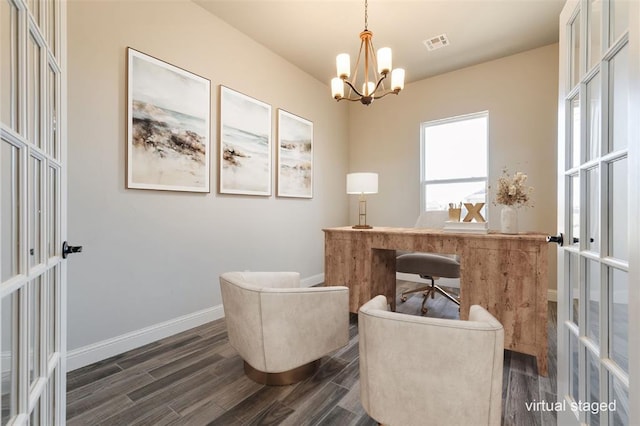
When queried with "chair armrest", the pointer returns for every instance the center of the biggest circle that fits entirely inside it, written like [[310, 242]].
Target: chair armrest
[[479, 314], [261, 279], [302, 325]]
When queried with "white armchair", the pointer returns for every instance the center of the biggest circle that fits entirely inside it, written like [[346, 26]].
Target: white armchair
[[430, 371], [279, 329]]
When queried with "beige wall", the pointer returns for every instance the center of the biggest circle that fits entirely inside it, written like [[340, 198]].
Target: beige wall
[[520, 93], [152, 256]]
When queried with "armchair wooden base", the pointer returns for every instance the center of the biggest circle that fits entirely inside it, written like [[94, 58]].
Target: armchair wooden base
[[284, 378]]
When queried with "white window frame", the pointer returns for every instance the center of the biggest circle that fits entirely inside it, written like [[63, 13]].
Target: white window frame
[[424, 182]]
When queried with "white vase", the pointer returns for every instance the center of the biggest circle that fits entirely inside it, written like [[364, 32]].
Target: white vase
[[509, 220]]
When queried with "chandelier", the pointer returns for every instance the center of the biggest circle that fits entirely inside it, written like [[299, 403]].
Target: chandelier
[[373, 74]]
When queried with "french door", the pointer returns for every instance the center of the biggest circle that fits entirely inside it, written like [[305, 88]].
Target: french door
[[597, 203], [32, 212]]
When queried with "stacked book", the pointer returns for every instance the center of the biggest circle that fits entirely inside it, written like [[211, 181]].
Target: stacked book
[[467, 227]]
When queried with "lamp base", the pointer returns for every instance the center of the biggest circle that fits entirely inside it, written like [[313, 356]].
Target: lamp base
[[362, 227]]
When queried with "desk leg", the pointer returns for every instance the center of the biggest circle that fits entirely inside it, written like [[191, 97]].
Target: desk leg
[[383, 275], [541, 359]]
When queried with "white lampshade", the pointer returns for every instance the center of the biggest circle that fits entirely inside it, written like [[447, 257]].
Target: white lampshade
[[337, 88], [397, 79], [362, 183], [343, 65], [384, 60]]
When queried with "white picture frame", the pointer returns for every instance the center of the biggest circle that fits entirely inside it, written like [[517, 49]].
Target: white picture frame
[[295, 156], [168, 126], [245, 144]]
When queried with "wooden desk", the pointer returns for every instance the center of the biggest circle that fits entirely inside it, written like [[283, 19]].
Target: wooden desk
[[506, 274]]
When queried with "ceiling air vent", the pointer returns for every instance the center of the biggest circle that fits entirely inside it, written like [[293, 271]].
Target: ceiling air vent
[[436, 42]]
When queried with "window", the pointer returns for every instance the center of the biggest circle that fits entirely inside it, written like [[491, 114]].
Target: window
[[454, 161]]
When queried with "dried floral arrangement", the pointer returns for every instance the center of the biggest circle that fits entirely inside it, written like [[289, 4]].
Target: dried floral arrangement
[[512, 190]]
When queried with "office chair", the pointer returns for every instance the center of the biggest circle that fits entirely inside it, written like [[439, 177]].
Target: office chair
[[429, 266]]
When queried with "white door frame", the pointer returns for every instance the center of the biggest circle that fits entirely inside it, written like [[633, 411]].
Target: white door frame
[[634, 210]]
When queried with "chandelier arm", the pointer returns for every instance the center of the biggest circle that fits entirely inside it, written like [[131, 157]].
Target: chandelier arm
[[379, 82], [395, 92], [350, 99], [348, 83]]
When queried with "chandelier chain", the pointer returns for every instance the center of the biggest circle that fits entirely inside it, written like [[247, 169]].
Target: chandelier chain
[[366, 14]]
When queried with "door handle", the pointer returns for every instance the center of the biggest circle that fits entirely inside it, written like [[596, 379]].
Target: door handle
[[67, 249], [560, 239], [556, 239]]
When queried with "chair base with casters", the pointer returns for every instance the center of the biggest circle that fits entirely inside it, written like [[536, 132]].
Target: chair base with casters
[[429, 266], [430, 290]]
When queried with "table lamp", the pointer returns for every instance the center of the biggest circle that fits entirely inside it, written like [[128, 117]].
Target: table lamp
[[362, 183]]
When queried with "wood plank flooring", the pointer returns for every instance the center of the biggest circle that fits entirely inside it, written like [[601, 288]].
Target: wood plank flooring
[[197, 378]]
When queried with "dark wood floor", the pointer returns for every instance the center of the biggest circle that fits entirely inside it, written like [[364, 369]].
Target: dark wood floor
[[196, 378]]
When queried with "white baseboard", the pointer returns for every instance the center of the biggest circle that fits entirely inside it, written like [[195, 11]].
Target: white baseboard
[[312, 280], [95, 352]]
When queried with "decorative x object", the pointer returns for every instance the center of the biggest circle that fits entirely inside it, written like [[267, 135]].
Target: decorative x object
[[473, 212]]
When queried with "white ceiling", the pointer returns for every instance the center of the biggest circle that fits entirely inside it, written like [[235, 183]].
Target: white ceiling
[[310, 33]]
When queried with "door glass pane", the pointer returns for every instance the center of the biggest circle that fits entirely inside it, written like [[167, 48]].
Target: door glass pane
[[617, 206], [593, 301], [618, 103], [620, 395], [9, 210], [52, 25], [618, 18], [52, 395], [53, 212], [52, 114], [8, 359], [574, 370], [595, 32], [574, 286], [593, 210], [33, 92], [8, 63], [575, 52], [575, 132], [619, 317], [574, 217], [35, 211], [593, 387], [33, 340], [52, 312], [593, 118], [34, 419]]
